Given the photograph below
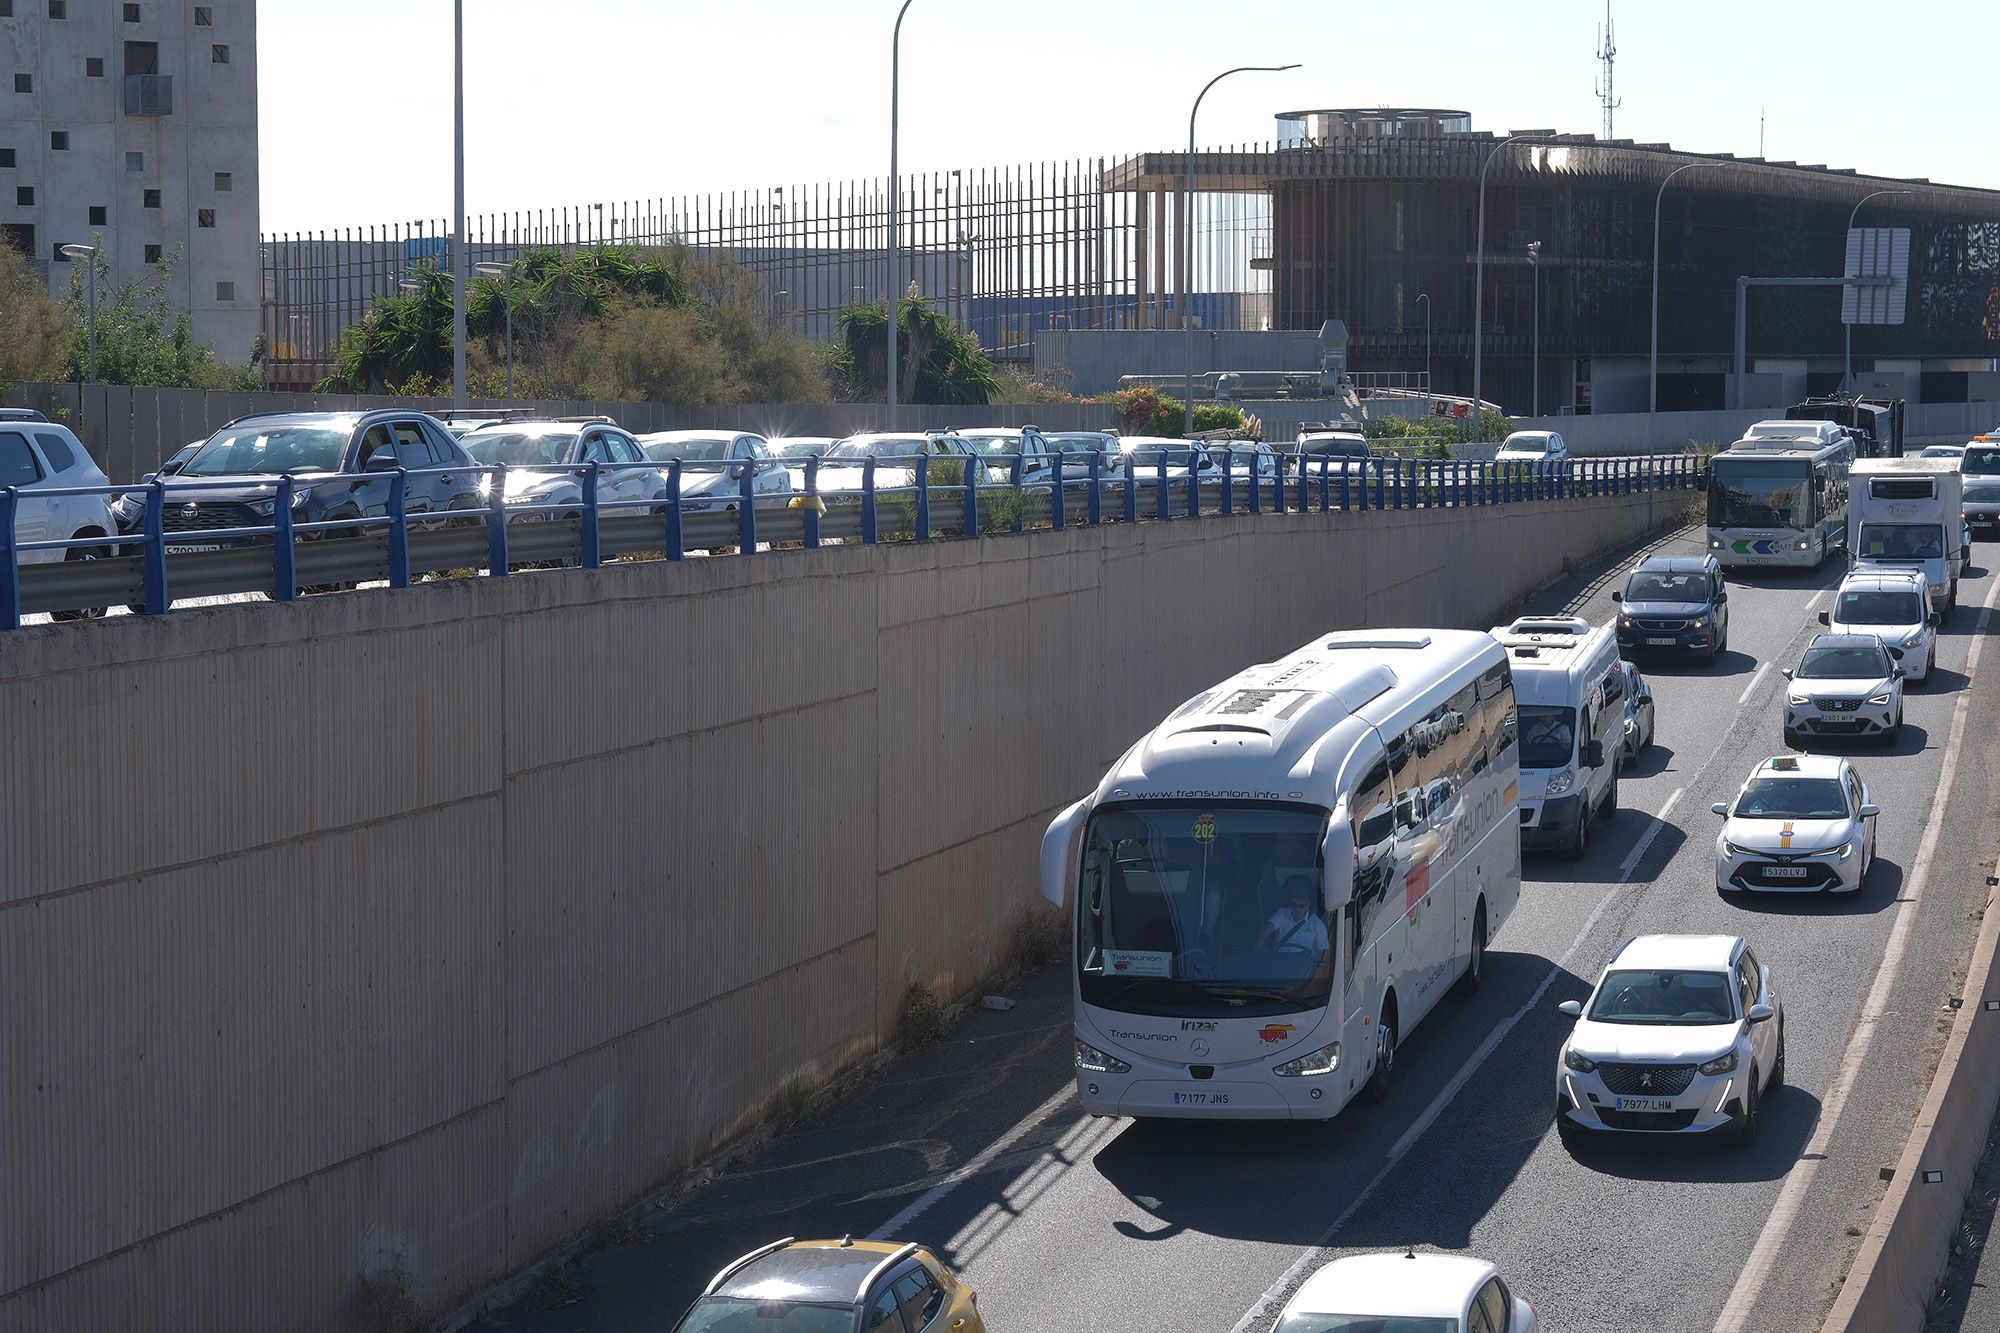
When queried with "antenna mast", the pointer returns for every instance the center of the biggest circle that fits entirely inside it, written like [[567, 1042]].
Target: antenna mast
[[1607, 51]]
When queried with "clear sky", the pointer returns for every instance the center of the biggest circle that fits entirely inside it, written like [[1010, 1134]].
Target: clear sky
[[581, 101]]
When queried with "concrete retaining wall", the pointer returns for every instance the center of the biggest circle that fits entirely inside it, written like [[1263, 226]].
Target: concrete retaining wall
[[364, 950]]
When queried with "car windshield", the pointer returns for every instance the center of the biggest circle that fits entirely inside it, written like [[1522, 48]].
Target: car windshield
[[1083, 444], [1901, 541], [1336, 447], [994, 446], [1943, 451], [1658, 587], [1860, 607], [1364, 1323], [705, 449], [271, 449], [1149, 455], [1757, 493], [733, 1314], [1665, 998], [1196, 908], [1527, 444], [1792, 798], [1979, 459], [894, 446], [799, 448], [1548, 736], [1869, 663], [1982, 495], [520, 448]]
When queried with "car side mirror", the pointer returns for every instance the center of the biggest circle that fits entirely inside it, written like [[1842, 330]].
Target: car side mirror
[[1720, 808], [1574, 1008], [1722, 599], [1936, 619], [1761, 1013], [173, 466], [736, 472], [1786, 672], [1593, 754], [382, 460], [1870, 811], [1617, 596], [1897, 672], [1824, 619]]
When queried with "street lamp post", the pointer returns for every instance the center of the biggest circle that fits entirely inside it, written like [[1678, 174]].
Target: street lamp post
[[1430, 390], [1479, 289], [1653, 361], [1187, 239], [88, 252], [1535, 356], [497, 270], [1847, 329], [895, 191], [458, 204]]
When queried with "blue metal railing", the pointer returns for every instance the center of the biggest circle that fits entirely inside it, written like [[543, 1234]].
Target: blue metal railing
[[1185, 484]]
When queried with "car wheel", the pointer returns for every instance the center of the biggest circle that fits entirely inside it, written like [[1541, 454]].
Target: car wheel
[[79, 554], [1475, 966], [1567, 1132], [1610, 805], [1381, 1077], [1746, 1128], [1777, 1078]]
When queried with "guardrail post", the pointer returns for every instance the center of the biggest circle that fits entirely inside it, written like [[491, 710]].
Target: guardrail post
[[1345, 485], [1255, 490], [1325, 484], [1228, 505], [676, 538], [590, 554], [1095, 504], [746, 511], [1304, 505], [1194, 483], [870, 533], [1014, 469], [1278, 488], [1058, 494], [284, 555], [155, 551], [1131, 488], [1163, 503], [496, 523], [1381, 486], [971, 520], [399, 528], [810, 510], [10, 576]]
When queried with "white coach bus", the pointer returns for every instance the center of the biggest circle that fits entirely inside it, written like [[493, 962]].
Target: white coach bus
[[1278, 883]]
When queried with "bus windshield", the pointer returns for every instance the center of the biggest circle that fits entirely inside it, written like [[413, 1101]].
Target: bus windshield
[[1204, 908], [1760, 493]]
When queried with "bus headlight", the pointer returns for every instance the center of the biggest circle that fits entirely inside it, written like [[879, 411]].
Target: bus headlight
[[1097, 1062], [1322, 1061], [1802, 543]]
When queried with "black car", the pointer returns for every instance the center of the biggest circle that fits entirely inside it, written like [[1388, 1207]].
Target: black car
[[1674, 604], [341, 463]]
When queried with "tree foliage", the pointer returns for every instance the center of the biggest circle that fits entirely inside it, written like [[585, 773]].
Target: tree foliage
[[938, 361], [36, 330], [141, 337]]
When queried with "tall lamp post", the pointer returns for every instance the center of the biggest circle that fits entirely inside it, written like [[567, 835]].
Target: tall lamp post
[[1187, 239], [1479, 286], [88, 252], [1847, 349], [458, 203], [1430, 390], [1535, 357], [895, 192], [1653, 361], [497, 270]]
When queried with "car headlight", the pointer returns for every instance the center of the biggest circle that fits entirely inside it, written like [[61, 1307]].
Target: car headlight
[[1842, 852], [1582, 1064], [1626, 622], [1734, 849], [1560, 783], [1797, 697], [128, 506], [1721, 1064], [1322, 1061], [1915, 640], [1698, 618], [1881, 698], [1097, 1062]]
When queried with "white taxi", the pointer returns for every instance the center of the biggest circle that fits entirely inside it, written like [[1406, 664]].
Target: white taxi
[[1409, 1293], [1803, 823], [1683, 1034]]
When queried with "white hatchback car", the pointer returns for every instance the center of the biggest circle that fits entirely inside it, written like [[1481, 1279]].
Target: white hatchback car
[[1683, 1034], [1803, 823], [1844, 685], [1406, 1293], [1533, 446], [1895, 607], [38, 456]]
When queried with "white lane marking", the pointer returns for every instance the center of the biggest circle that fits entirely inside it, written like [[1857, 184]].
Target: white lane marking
[[1751, 688], [1638, 851], [1777, 1227], [1813, 605], [979, 1162]]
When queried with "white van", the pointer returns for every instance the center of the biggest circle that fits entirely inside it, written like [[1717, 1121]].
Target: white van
[[1571, 696]]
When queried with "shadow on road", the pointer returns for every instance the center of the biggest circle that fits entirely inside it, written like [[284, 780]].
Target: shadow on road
[[1788, 1114], [1911, 740], [1883, 886]]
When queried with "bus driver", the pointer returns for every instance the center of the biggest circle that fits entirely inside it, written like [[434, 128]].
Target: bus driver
[[1296, 927]]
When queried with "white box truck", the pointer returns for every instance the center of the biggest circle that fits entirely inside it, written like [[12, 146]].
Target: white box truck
[[1909, 513]]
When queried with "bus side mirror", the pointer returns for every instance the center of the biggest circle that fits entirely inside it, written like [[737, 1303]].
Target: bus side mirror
[[1336, 883], [1059, 852]]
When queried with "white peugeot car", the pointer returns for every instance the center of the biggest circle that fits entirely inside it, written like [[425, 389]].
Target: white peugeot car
[[1406, 1293], [1803, 823], [1895, 607], [1684, 1034], [1845, 685]]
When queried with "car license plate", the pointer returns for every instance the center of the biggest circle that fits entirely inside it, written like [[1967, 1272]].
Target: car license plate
[[1663, 642], [1784, 872], [1201, 1099], [183, 550], [1646, 1104]]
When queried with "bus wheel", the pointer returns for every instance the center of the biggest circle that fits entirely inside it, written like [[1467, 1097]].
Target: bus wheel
[[1475, 966], [1385, 1054]]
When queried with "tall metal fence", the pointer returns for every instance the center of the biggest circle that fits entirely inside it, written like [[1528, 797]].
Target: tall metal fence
[[1003, 250]]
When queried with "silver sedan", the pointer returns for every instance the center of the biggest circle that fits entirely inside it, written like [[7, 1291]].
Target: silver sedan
[[1638, 711]]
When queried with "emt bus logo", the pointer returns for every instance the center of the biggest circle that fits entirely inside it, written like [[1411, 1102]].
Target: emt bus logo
[[1204, 828], [1272, 1033], [1761, 546]]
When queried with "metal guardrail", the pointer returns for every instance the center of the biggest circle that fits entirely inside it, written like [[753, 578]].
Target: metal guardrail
[[286, 558]]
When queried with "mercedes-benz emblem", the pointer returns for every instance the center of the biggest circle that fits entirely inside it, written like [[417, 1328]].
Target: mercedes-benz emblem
[[1199, 1047]]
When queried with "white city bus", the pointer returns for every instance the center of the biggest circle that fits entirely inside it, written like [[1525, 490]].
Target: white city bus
[[1279, 882], [1778, 497]]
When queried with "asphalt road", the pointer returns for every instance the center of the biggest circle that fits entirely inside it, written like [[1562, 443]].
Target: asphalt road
[[976, 1146]]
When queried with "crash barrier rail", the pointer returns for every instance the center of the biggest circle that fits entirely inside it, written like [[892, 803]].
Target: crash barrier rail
[[146, 566]]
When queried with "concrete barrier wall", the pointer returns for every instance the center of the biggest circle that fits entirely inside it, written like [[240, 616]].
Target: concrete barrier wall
[[364, 950]]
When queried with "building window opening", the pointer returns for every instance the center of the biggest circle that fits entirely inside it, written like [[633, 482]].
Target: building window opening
[[152, 254], [204, 217], [98, 214]]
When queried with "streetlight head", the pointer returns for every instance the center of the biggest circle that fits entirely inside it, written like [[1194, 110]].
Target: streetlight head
[[492, 268], [79, 251]]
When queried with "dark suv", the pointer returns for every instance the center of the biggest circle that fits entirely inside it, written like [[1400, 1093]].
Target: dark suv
[[341, 463], [1674, 604]]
